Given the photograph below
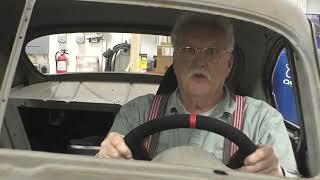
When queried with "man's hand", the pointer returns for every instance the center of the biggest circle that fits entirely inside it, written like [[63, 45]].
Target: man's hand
[[263, 161], [114, 147]]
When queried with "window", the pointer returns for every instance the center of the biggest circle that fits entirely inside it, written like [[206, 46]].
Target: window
[[282, 89], [317, 37], [100, 52], [315, 19], [283, 92]]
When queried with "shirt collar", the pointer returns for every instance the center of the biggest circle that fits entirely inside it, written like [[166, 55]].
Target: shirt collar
[[225, 105]]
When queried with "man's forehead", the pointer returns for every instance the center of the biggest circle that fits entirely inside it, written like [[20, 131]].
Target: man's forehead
[[198, 42], [204, 35]]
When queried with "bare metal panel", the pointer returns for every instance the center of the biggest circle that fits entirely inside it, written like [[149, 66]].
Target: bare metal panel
[[91, 92], [14, 57], [141, 89], [111, 93], [5, 141], [16, 131], [48, 166], [37, 91]]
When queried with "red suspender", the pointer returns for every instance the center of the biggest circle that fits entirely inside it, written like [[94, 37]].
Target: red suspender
[[158, 109], [237, 122], [153, 114], [193, 120]]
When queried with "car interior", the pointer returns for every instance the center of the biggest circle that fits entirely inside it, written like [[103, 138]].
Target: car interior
[[60, 126]]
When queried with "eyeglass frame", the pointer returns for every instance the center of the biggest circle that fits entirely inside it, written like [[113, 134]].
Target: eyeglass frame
[[202, 50]]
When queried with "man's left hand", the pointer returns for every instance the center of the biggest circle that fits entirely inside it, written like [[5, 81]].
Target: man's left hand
[[263, 161]]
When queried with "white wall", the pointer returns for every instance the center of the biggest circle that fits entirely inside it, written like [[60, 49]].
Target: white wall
[[117, 38], [309, 6], [148, 45], [74, 49], [313, 6], [303, 4]]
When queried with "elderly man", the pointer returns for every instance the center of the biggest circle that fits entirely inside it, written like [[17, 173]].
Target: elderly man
[[203, 59]]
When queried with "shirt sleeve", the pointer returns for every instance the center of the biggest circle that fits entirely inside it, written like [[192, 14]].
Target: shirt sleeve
[[274, 132], [132, 114]]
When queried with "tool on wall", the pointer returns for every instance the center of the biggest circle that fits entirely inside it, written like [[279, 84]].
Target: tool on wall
[[111, 55]]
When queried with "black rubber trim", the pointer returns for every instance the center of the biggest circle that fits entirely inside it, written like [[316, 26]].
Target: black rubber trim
[[273, 52], [134, 139]]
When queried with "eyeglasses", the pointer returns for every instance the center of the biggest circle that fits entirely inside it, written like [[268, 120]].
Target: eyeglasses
[[210, 52]]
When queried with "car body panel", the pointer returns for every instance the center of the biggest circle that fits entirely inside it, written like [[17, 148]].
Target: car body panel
[[14, 57], [267, 13], [289, 22], [92, 92], [39, 165]]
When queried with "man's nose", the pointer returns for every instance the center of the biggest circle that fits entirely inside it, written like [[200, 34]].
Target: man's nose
[[199, 60]]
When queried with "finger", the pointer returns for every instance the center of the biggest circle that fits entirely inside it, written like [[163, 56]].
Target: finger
[[118, 143], [259, 167], [108, 150], [272, 170], [102, 152], [102, 155], [124, 150], [260, 154], [269, 170]]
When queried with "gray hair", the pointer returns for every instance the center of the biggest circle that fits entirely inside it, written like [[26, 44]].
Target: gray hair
[[213, 21]]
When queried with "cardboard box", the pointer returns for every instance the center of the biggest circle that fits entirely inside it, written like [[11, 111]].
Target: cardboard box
[[165, 44], [166, 50], [164, 57], [163, 63]]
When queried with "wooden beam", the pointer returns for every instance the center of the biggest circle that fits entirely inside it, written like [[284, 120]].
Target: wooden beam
[[134, 53]]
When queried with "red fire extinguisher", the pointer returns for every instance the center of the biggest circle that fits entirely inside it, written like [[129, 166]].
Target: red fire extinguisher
[[61, 61]]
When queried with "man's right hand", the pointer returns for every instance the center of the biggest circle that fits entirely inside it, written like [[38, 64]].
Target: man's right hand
[[114, 147]]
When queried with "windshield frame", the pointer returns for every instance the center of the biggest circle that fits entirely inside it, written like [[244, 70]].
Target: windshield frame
[[304, 54]]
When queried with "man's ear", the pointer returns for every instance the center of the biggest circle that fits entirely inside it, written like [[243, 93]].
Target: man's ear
[[230, 62], [230, 65], [174, 65]]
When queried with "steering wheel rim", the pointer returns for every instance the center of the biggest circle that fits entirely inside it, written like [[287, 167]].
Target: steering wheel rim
[[134, 139]]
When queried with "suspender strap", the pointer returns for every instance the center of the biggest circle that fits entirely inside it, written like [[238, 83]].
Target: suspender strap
[[237, 121], [157, 110]]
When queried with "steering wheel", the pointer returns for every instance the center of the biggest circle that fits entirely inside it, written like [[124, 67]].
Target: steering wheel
[[134, 139]]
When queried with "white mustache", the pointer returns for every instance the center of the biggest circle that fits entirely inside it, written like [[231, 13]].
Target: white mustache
[[199, 71]]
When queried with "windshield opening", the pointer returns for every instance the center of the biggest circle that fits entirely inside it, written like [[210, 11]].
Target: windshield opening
[[315, 19], [101, 52], [77, 131]]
